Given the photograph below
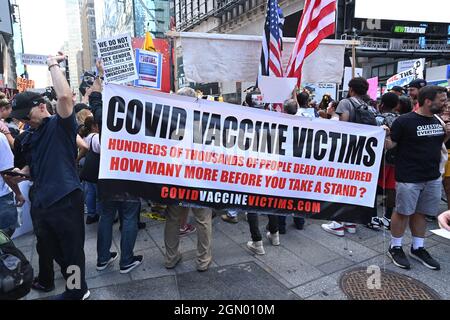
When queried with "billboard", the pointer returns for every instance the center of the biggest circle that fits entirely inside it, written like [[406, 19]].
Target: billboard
[[5, 17], [403, 10]]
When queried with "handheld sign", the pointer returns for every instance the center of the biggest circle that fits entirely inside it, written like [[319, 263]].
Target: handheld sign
[[149, 66]]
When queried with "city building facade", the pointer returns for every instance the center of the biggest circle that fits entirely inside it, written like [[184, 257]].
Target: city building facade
[[88, 34]]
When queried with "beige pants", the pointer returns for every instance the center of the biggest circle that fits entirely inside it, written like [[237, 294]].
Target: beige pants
[[203, 218]]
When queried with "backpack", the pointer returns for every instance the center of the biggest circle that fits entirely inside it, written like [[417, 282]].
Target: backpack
[[387, 119], [91, 167], [364, 113], [16, 273]]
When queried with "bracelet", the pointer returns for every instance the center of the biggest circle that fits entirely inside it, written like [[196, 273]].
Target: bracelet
[[50, 66]]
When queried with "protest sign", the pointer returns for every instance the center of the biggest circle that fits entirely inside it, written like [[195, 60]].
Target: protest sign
[[118, 59], [177, 149], [276, 89], [348, 76], [149, 69], [34, 59], [24, 84], [318, 90], [407, 64], [373, 88], [405, 77]]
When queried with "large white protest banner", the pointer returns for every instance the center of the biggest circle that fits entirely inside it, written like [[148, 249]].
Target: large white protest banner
[[405, 77], [178, 149], [34, 59], [118, 58]]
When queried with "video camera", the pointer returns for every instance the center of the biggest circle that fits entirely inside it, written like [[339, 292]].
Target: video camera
[[50, 94]]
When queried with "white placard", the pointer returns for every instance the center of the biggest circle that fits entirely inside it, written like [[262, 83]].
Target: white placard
[[118, 59], [34, 59], [275, 89], [348, 76]]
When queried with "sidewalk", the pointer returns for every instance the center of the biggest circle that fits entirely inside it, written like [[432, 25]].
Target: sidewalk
[[307, 265]]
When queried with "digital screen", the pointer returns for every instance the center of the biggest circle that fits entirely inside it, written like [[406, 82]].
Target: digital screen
[[404, 10]]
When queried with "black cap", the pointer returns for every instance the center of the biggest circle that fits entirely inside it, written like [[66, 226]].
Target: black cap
[[417, 83], [23, 103], [80, 106], [398, 89]]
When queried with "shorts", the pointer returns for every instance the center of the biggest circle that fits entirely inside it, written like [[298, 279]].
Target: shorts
[[8, 212], [422, 197], [386, 180], [447, 167]]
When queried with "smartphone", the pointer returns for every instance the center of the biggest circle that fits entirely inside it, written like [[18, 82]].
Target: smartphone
[[15, 174]]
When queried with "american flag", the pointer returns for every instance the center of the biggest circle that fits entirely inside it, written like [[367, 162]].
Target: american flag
[[272, 41], [317, 23]]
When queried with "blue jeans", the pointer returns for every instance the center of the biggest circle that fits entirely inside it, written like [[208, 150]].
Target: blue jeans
[[91, 200], [8, 213], [128, 213]]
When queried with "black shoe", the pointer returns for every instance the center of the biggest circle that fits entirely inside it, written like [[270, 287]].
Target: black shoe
[[430, 218], [104, 265], [38, 287], [137, 260], [422, 255], [141, 225], [398, 257], [299, 223], [92, 219]]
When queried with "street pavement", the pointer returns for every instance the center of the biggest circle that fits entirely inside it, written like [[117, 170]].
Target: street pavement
[[307, 265]]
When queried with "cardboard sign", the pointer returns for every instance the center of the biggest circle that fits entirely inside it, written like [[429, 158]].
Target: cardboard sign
[[24, 84], [118, 59], [373, 88]]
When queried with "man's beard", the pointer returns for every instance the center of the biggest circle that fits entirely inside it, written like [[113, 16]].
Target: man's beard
[[434, 109]]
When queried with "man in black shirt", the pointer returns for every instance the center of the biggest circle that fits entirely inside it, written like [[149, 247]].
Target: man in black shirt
[[419, 137]]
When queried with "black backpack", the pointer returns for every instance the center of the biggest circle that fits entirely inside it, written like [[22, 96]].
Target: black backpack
[[364, 113], [16, 273], [89, 171]]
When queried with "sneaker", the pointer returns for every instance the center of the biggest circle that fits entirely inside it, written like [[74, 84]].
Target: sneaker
[[39, 287], [69, 296], [92, 219], [256, 247], [375, 224], [386, 223], [299, 223], [229, 219], [274, 238], [187, 229], [104, 265], [137, 261], [398, 257], [141, 225], [334, 228], [350, 227], [422, 255], [173, 264]]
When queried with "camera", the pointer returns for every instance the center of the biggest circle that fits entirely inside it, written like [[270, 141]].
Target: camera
[[87, 81], [50, 93]]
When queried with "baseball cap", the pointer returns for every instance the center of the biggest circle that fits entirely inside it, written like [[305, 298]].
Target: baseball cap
[[23, 103], [398, 89], [80, 106], [417, 83]]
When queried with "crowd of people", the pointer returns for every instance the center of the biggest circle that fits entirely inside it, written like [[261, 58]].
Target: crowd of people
[[56, 146]]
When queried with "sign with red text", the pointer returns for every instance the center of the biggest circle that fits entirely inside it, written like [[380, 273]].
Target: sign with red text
[[176, 149]]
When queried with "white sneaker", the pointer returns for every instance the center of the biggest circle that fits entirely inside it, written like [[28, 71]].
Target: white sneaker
[[256, 247], [350, 227], [386, 223], [334, 228], [274, 238]]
